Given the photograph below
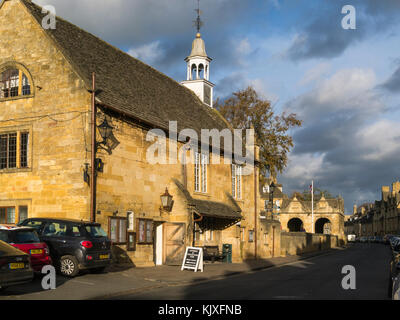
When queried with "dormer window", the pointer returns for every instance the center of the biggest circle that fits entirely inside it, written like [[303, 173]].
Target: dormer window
[[14, 83]]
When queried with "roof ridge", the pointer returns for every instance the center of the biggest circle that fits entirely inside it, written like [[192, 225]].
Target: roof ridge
[[117, 49]]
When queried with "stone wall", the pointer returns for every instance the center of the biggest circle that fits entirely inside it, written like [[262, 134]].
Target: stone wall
[[55, 115], [294, 243]]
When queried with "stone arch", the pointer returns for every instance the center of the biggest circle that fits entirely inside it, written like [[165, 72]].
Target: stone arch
[[323, 225], [24, 80], [295, 225]]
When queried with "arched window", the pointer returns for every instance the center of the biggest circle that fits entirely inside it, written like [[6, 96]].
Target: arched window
[[14, 83], [193, 72], [201, 71]]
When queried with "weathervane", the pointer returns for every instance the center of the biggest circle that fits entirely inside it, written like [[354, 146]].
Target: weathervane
[[198, 23]]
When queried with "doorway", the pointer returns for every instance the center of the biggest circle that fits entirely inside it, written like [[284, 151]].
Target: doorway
[[174, 243]]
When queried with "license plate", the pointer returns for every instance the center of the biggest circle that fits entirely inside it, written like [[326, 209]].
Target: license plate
[[17, 265], [104, 256], [37, 251]]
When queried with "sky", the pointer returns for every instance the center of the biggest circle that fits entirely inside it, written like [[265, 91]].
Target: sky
[[343, 83]]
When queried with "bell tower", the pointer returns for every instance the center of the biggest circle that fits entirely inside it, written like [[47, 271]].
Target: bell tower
[[198, 68]]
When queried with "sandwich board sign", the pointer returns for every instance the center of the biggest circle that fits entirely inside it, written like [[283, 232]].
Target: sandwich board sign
[[193, 259]]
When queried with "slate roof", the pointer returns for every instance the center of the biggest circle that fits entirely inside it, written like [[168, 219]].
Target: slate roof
[[127, 84], [211, 208]]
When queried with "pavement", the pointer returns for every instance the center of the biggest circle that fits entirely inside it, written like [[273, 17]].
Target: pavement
[[120, 280]]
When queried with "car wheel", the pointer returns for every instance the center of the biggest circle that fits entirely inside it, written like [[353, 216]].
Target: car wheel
[[69, 266], [97, 270]]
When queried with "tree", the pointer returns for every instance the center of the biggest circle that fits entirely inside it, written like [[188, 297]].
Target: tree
[[245, 110]]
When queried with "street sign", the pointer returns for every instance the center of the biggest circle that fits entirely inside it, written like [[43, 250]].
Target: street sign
[[193, 259]]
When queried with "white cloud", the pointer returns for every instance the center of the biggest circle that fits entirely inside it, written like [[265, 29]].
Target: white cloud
[[304, 167], [149, 53], [315, 73], [379, 140]]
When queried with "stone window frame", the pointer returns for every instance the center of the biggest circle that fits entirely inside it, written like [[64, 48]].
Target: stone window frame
[[237, 181], [20, 130], [25, 71], [201, 162], [5, 209]]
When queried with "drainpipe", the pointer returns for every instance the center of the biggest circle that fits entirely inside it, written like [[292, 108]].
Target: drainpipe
[[255, 211], [93, 155]]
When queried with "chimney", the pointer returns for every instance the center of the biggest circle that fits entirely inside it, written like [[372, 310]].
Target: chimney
[[385, 191], [396, 187]]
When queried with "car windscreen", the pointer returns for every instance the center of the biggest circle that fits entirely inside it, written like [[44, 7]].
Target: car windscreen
[[25, 236], [95, 231]]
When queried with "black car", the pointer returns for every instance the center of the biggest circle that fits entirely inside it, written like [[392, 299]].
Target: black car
[[15, 267], [74, 244]]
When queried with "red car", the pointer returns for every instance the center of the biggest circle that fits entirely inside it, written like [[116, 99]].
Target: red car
[[27, 240]]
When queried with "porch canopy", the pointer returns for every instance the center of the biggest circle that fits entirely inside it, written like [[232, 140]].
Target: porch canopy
[[215, 215], [212, 214]]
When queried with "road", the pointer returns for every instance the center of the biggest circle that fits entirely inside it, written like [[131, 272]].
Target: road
[[316, 278]]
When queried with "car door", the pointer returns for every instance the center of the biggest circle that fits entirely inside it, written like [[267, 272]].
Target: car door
[[55, 235]]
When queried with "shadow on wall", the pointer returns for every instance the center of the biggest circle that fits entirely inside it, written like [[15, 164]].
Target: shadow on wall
[[295, 243]]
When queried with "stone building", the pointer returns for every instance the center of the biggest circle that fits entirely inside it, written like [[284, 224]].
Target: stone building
[[296, 215], [381, 217], [45, 145]]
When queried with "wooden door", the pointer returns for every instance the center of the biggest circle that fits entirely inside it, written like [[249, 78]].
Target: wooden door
[[174, 243]]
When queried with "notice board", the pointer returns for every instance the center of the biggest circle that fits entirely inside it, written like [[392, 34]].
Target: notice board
[[193, 259]]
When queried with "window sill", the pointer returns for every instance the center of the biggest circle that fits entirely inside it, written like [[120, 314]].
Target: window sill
[[204, 194], [16, 98], [15, 170]]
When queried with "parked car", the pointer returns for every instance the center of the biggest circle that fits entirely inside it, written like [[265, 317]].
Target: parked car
[[15, 267], [27, 240], [394, 278], [351, 238], [74, 244], [393, 242], [379, 239], [363, 239], [387, 238]]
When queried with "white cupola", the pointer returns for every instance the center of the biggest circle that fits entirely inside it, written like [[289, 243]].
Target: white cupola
[[198, 72]]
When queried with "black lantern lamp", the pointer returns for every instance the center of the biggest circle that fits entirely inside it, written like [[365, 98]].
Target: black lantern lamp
[[105, 131], [271, 195], [166, 201]]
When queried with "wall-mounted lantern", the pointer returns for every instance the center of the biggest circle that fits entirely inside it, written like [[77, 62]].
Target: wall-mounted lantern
[[109, 142], [166, 201]]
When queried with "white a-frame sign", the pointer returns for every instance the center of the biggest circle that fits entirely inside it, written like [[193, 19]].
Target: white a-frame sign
[[193, 259]]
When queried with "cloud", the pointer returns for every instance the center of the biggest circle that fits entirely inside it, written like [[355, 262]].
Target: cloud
[[149, 53], [393, 83], [315, 73], [347, 144], [322, 36]]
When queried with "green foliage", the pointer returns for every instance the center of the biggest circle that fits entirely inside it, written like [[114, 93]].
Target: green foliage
[[245, 110]]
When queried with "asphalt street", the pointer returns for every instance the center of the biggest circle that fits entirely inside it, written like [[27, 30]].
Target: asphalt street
[[316, 278]]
